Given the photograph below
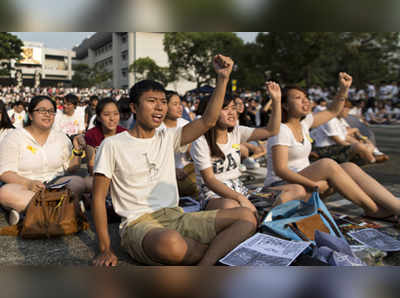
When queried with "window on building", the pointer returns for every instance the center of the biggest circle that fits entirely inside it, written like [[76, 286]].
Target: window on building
[[124, 55], [124, 72]]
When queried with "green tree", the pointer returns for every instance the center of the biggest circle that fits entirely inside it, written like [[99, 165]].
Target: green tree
[[86, 76], [147, 68], [307, 58], [10, 48], [190, 53]]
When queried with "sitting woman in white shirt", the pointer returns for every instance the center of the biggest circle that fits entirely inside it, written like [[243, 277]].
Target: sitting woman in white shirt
[[5, 123], [34, 155], [216, 155], [288, 156], [337, 140]]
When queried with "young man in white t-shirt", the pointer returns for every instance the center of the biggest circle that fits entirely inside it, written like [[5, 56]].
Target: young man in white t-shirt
[[69, 120], [139, 166]]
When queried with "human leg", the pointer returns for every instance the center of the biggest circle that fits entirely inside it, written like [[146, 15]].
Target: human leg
[[233, 226], [221, 203], [330, 171], [15, 196], [290, 192], [387, 202]]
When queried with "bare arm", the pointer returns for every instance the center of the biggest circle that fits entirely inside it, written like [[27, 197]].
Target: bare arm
[[339, 141], [280, 165], [224, 191], [100, 189], [193, 130], [274, 122], [13, 178], [337, 105]]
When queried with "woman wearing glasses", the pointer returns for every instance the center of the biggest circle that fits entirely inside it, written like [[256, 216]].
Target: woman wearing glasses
[[34, 155]]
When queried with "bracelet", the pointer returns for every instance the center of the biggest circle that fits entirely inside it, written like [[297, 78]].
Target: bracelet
[[79, 153]]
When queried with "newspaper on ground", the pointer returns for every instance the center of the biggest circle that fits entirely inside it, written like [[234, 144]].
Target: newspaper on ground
[[189, 205], [263, 250], [376, 239]]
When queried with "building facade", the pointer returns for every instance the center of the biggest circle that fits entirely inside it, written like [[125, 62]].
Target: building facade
[[42, 66], [116, 51]]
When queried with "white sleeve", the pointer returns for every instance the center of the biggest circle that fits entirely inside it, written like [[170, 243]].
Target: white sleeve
[[308, 121], [245, 133], [67, 151], [330, 128], [105, 159], [201, 154], [283, 138], [9, 153], [177, 135]]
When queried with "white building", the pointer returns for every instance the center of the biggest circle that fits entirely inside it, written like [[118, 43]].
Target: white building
[[52, 66], [116, 51]]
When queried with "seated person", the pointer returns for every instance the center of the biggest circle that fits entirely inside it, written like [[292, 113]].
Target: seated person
[[139, 166], [127, 118], [288, 157], [69, 120], [5, 123], [217, 156], [34, 155], [184, 167], [106, 124], [337, 140]]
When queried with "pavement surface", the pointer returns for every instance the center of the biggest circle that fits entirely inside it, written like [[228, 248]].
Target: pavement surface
[[81, 248]]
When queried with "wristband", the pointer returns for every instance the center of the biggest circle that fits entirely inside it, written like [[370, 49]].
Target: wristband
[[79, 153]]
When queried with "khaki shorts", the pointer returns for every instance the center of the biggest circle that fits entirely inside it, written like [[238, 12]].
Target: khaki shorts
[[199, 226]]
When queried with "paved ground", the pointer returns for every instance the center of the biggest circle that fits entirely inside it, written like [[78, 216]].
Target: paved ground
[[80, 249]]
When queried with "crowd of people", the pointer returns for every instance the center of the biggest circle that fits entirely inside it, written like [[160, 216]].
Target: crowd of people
[[147, 147]]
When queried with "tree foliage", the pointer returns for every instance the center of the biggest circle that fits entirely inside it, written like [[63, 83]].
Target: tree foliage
[[86, 76], [146, 68], [10, 48], [190, 53], [308, 58]]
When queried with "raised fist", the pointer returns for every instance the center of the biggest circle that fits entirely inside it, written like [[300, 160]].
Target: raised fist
[[223, 66], [274, 90]]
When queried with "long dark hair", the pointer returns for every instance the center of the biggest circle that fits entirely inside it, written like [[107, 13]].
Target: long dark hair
[[100, 107], [211, 134], [5, 120], [34, 102]]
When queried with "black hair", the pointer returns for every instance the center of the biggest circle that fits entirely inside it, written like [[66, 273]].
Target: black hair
[[93, 98], [123, 105], [71, 98], [170, 93], [139, 88], [211, 134], [5, 120], [34, 102], [100, 107]]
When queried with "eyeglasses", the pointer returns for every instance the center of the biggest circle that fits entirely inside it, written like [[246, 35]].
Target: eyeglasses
[[51, 112], [153, 169]]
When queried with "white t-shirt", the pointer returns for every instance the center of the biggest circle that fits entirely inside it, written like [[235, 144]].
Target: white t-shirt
[[322, 134], [180, 158], [70, 125], [224, 169], [4, 132], [297, 152], [18, 118], [142, 172], [22, 154]]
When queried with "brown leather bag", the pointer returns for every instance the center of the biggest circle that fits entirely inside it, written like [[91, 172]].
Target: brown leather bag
[[53, 213], [50, 213]]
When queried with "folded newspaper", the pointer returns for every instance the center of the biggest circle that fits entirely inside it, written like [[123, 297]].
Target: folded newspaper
[[263, 250], [376, 239], [189, 205], [57, 185]]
